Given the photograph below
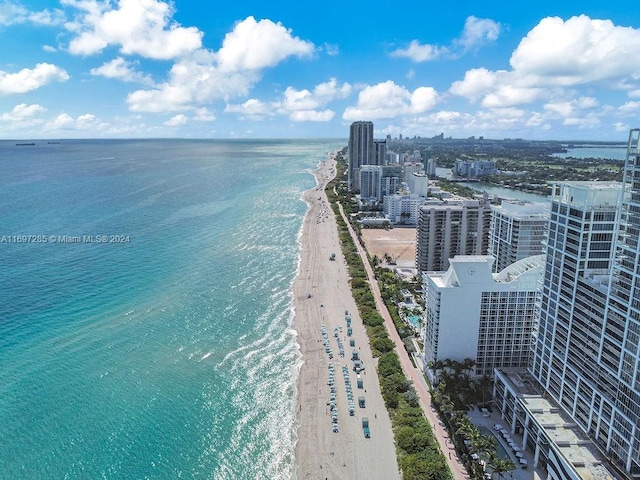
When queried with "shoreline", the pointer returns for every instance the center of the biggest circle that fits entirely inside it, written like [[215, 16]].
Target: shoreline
[[321, 295]]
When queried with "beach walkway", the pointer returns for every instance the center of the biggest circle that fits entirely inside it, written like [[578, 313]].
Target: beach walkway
[[411, 372]]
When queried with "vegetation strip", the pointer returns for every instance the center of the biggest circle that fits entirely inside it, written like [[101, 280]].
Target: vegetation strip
[[419, 455]]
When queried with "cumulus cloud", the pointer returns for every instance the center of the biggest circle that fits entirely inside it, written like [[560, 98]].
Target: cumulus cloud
[[121, 69], [476, 32], [303, 105], [388, 100], [12, 13], [312, 115], [252, 108], [29, 79], [418, 52], [22, 112], [231, 72], [189, 83], [64, 121], [554, 55], [255, 45], [577, 51], [137, 27], [23, 115], [176, 120], [203, 115]]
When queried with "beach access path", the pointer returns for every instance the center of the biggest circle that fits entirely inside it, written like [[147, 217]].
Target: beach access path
[[321, 295], [412, 373]]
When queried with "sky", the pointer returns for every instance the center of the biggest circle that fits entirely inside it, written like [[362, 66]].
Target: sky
[[558, 70]]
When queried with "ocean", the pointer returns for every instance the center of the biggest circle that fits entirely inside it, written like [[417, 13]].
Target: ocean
[[146, 307]]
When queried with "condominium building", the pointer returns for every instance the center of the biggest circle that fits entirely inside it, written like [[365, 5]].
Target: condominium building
[[418, 183], [430, 167], [402, 208], [451, 227], [471, 312], [370, 182], [518, 230], [361, 151], [380, 149], [586, 355]]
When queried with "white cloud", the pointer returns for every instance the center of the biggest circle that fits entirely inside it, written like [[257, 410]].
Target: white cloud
[[176, 121], [331, 49], [203, 115], [630, 107], [388, 100], [23, 116], [121, 69], [510, 95], [192, 83], [477, 82], [23, 112], [257, 45], [418, 52], [252, 109], [554, 55], [561, 108], [49, 48], [28, 79], [312, 116], [476, 32], [322, 94], [229, 73], [12, 13], [138, 27], [64, 121], [578, 51]]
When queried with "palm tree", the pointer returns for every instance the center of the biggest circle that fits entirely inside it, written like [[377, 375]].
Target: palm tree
[[500, 466]]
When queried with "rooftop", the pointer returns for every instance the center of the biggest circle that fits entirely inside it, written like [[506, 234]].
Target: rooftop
[[564, 435]]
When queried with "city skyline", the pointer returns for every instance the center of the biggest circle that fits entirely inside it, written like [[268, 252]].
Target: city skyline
[[150, 68]]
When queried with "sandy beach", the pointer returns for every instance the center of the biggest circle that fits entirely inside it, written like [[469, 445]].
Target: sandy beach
[[321, 297]]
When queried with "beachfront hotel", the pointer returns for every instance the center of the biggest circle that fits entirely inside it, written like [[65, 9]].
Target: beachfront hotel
[[518, 230], [450, 227], [471, 312]]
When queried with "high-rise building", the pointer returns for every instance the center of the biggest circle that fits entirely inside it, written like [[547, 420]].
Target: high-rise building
[[620, 352], [360, 151], [518, 230], [430, 167], [586, 355], [380, 148], [487, 317], [370, 182], [451, 227]]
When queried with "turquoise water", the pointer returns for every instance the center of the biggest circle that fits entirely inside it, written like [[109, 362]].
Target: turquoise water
[[415, 321], [146, 307]]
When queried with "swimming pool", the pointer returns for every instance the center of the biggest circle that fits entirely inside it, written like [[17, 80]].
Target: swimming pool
[[502, 453], [415, 321]]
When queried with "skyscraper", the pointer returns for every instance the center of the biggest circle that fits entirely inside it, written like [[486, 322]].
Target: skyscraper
[[361, 151], [586, 355]]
